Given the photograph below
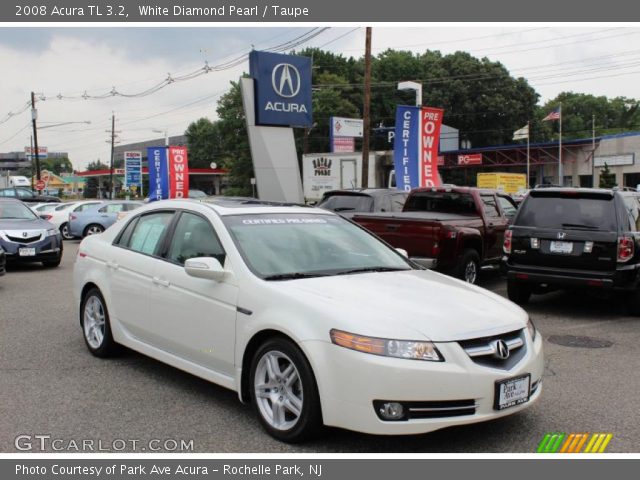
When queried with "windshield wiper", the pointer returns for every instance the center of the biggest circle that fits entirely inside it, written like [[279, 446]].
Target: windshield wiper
[[579, 225], [293, 276], [373, 269]]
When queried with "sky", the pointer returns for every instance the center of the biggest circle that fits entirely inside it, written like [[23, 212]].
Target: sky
[[69, 61]]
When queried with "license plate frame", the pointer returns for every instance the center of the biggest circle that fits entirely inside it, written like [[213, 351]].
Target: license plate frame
[[501, 387], [27, 252], [563, 248]]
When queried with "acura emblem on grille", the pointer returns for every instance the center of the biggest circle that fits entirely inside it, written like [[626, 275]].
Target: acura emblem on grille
[[561, 235], [501, 350], [24, 234]]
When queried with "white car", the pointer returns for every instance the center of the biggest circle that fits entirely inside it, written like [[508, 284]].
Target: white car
[[309, 317], [60, 215]]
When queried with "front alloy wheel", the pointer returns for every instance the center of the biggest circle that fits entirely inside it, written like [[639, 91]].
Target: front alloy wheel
[[284, 391]]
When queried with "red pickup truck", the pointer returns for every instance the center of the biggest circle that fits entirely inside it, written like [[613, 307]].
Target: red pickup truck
[[456, 230]]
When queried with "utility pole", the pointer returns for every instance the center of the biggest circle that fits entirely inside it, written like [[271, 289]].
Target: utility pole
[[32, 172], [366, 115], [34, 118], [113, 141], [593, 151]]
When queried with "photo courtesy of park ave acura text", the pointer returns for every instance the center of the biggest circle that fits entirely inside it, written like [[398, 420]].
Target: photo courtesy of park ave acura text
[[297, 238]]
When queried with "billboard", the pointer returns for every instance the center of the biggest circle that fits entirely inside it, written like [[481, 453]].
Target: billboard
[[133, 169], [346, 127], [30, 152], [282, 89]]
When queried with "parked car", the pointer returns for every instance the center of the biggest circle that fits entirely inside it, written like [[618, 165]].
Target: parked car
[[197, 194], [575, 238], [309, 317], [27, 238], [26, 195], [3, 262], [456, 230], [42, 207], [59, 216], [349, 202], [98, 217]]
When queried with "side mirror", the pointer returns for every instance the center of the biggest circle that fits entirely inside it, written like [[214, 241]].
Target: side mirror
[[205, 267], [402, 252]]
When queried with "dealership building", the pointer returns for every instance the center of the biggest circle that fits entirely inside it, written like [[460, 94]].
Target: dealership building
[[579, 169]]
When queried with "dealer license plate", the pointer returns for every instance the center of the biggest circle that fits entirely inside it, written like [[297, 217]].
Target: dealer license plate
[[561, 247], [27, 252], [512, 392]]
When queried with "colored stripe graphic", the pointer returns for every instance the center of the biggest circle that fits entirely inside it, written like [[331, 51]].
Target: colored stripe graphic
[[556, 442]]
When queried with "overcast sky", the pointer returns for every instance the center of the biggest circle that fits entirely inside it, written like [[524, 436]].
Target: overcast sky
[[69, 61]]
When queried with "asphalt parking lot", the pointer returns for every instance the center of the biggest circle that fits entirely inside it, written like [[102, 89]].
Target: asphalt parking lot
[[51, 385]]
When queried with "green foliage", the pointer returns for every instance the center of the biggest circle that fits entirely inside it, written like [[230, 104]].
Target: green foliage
[[203, 142], [56, 165], [97, 165], [607, 178]]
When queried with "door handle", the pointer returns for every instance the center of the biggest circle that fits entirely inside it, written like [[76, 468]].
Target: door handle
[[162, 283], [112, 265]]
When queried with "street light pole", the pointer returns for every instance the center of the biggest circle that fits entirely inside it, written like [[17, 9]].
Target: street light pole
[[34, 118], [166, 135], [417, 87]]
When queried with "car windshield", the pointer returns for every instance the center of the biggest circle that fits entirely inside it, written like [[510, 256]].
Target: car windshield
[[15, 211], [197, 194], [561, 211], [347, 203], [441, 202], [285, 246]]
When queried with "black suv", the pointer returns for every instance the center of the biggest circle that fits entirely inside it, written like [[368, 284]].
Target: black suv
[[575, 237]]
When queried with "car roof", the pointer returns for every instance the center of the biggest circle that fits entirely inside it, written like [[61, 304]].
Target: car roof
[[575, 190], [372, 192], [237, 206]]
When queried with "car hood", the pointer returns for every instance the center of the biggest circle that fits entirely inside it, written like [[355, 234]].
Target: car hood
[[394, 304], [35, 224]]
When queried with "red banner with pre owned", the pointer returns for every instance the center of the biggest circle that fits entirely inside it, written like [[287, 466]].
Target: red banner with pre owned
[[430, 137], [178, 173]]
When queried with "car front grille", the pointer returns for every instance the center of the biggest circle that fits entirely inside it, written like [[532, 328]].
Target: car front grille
[[30, 239], [432, 409], [485, 351]]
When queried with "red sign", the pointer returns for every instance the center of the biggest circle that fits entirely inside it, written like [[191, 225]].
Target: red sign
[[440, 160], [178, 173], [40, 185], [473, 159], [429, 143], [344, 144]]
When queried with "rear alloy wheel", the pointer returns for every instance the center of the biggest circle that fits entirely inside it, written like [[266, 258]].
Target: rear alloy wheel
[[518, 292], [469, 267], [93, 229], [284, 391], [64, 231], [95, 324]]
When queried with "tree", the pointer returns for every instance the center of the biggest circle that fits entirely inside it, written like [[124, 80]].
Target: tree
[[56, 165], [607, 178], [91, 184], [203, 142]]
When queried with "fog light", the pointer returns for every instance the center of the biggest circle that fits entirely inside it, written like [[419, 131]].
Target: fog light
[[391, 411]]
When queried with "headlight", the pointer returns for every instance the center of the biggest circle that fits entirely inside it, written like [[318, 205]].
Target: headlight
[[52, 233], [413, 350], [533, 331]]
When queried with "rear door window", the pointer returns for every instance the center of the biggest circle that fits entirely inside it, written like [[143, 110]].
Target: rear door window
[[568, 211], [441, 202], [149, 231]]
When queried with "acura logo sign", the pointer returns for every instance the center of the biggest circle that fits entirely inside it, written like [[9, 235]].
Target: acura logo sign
[[285, 79], [500, 350]]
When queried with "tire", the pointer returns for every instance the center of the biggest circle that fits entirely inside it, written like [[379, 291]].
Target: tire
[[633, 303], [298, 420], [97, 336], [469, 267], [93, 229], [64, 231], [518, 292]]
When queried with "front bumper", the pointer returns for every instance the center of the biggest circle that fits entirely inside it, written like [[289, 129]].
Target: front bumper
[[47, 249], [350, 382]]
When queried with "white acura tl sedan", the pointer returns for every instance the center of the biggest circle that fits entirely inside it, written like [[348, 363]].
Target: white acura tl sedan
[[306, 315]]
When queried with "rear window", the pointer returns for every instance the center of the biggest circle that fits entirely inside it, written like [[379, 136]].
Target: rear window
[[441, 202], [567, 212], [348, 203]]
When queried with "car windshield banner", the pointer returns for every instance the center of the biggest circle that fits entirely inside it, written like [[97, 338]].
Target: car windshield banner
[[178, 173], [158, 173], [431, 121], [406, 146], [282, 89]]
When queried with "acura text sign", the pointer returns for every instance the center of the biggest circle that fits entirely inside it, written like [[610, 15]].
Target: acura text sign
[[282, 89]]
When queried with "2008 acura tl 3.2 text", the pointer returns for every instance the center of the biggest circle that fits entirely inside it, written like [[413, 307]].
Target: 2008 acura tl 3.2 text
[[309, 317]]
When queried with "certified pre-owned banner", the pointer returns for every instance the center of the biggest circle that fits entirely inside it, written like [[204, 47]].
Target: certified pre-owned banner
[[178, 173], [431, 121], [406, 145], [158, 173]]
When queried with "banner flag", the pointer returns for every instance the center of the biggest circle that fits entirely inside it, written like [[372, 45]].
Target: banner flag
[[430, 143], [158, 173], [521, 133], [406, 144], [178, 173]]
